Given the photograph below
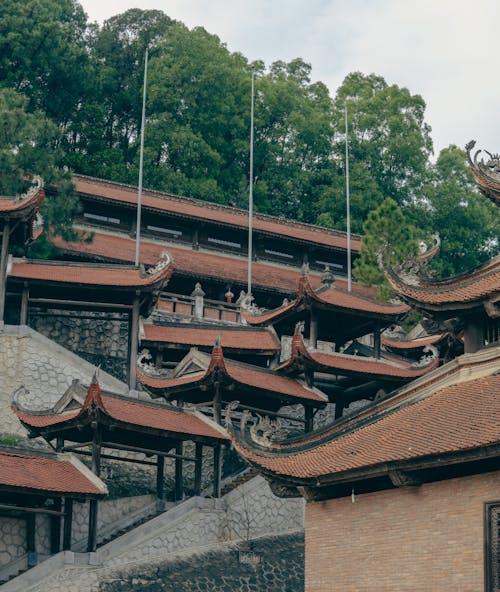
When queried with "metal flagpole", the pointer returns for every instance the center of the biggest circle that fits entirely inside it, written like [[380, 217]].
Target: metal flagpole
[[348, 206], [250, 194], [141, 164]]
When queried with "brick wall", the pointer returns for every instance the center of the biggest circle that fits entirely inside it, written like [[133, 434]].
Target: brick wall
[[418, 539]]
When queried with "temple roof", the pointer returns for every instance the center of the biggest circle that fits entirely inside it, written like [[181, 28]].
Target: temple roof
[[23, 206], [35, 472], [238, 338], [202, 210], [349, 365], [468, 290], [197, 264], [486, 174], [413, 343], [230, 372], [333, 298], [453, 409], [124, 411], [92, 273]]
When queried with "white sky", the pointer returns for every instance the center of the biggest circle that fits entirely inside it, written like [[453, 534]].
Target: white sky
[[444, 50]]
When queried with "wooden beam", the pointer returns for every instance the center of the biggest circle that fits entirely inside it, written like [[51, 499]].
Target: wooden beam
[[68, 523], [3, 267], [27, 510], [308, 418], [24, 305], [133, 342], [55, 528], [198, 467], [403, 479], [31, 540], [178, 472], [81, 303], [92, 537], [217, 470], [160, 481]]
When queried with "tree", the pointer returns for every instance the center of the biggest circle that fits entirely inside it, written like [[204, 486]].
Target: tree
[[388, 240], [28, 147], [468, 224], [43, 54], [389, 143]]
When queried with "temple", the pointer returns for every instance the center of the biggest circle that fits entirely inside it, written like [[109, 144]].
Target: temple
[[402, 493], [142, 367]]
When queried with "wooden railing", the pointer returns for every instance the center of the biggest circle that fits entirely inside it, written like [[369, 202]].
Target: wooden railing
[[210, 309]]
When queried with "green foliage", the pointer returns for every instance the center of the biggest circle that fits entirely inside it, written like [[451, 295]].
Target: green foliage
[[468, 224], [43, 54], [9, 440], [388, 240], [28, 147]]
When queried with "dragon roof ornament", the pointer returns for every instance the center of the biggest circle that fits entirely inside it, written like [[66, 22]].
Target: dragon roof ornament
[[486, 172]]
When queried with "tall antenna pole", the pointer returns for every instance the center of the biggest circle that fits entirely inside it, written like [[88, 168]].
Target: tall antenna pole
[[348, 205], [141, 163], [250, 193]]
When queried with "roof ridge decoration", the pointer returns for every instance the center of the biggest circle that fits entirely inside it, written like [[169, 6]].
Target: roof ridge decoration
[[486, 174], [32, 190]]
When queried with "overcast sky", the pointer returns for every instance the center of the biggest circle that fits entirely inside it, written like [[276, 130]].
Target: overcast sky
[[444, 50]]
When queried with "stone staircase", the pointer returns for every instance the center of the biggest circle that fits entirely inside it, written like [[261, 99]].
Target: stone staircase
[[248, 510]]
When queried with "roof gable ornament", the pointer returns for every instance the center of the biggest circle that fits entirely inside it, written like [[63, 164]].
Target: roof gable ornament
[[327, 277], [163, 262], [266, 431]]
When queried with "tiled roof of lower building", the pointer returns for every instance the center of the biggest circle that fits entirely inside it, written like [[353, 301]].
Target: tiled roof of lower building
[[203, 336], [462, 414], [46, 473]]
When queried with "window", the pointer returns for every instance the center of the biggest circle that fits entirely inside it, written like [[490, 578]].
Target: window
[[100, 218], [223, 243], [175, 233], [278, 254], [492, 535], [491, 332]]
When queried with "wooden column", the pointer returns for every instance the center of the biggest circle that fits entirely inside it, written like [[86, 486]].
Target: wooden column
[[376, 342], [68, 523], [217, 403], [339, 409], [178, 471], [160, 482], [55, 528], [31, 540], [92, 539], [94, 504], [59, 443], [217, 470], [198, 467], [133, 342], [313, 329], [3, 267], [24, 304], [309, 418]]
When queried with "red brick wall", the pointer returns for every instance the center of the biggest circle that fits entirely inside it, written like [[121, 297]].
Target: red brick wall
[[413, 539]]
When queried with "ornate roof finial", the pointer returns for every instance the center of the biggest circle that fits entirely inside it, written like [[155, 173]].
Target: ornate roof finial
[[304, 270], [327, 277], [198, 291]]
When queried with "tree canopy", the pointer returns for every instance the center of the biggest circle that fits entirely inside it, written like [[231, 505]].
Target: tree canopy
[[78, 87]]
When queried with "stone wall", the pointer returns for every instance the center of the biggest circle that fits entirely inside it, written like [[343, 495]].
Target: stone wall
[[280, 568], [100, 338], [44, 368], [195, 528], [13, 538]]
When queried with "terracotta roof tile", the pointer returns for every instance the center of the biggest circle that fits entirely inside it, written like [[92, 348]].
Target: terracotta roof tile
[[255, 340], [28, 204], [414, 343], [38, 472], [137, 413], [457, 418], [193, 208], [88, 274], [244, 374], [198, 264], [465, 288], [351, 365], [335, 298]]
